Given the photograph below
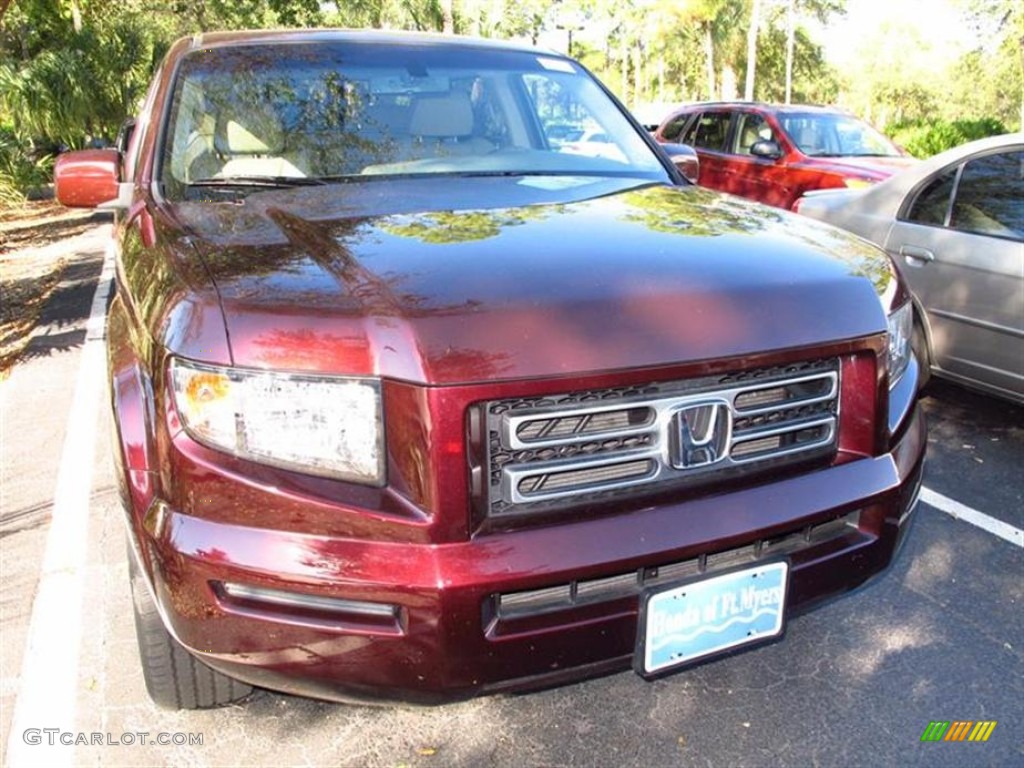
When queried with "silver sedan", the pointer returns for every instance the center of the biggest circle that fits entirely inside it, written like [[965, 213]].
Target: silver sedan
[[954, 225]]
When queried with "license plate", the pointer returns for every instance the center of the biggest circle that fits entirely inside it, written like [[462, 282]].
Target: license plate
[[691, 621]]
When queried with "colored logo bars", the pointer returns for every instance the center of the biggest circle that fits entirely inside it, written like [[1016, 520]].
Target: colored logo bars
[[958, 730]]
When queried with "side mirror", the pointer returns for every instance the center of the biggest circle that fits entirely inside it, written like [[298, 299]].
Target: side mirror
[[685, 159], [766, 148], [124, 135], [87, 178]]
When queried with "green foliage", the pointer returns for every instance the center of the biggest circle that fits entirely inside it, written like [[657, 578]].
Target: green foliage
[[990, 79], [814, 80], [48, 96], [924, 138], [900, 74], [20, 169], [71, 94], [79, 85]]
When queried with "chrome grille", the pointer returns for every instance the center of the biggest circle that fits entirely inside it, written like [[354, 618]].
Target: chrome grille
[[593, 476], [558, 451], [566, 429]]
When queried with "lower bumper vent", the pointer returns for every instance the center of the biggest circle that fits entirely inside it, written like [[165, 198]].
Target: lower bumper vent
[[583, 592]]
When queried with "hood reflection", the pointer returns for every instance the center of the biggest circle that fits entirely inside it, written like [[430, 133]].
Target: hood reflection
[[641, 276]]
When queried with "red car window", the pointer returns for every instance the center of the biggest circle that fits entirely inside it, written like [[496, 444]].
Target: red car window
[[709, 131], [750, 128], [674, 128]]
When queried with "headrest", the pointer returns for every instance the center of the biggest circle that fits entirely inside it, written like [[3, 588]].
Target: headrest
[[257, 132], [437, 116]]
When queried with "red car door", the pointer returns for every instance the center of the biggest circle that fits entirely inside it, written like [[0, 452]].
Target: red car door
[[762, 178]]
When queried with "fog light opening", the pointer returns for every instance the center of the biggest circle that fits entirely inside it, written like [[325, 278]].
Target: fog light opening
[[299, 607]]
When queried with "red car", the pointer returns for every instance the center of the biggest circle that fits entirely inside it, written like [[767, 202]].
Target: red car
[[774, 154], [411, 404]]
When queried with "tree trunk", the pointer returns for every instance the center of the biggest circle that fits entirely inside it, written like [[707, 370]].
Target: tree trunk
[[728, 84], [200, 11], [76, 16], [1021, 127], [755, 13], [709, 55], [638, 74], [447, 17], [625, 72], [790, 41]]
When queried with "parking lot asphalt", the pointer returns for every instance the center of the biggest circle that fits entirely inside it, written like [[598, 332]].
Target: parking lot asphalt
[[940, 636]]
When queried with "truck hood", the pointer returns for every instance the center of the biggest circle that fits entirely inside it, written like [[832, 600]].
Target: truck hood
[[429, 281]]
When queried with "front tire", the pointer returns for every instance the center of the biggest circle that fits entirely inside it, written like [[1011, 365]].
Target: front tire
[[175, 679]]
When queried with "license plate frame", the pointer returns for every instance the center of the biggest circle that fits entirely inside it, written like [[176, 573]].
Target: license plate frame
[[678, 622]]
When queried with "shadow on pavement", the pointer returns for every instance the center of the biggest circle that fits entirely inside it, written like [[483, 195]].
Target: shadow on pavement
[[61, 325]]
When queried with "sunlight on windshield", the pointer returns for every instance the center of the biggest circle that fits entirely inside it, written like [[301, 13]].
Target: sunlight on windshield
[[291, 113], [829, 135]]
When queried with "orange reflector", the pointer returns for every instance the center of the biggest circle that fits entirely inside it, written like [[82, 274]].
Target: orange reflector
[[206, 387]]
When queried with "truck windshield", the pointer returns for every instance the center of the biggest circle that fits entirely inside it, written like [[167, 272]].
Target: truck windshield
[[256, 115]]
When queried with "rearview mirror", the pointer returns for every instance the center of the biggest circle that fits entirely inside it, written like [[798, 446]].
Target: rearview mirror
[[87, 178], [685, 159]]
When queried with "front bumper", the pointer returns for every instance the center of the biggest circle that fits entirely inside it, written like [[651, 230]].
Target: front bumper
[[447, 638]]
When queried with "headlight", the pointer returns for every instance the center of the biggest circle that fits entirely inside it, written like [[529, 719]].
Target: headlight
[[320, 425], [901, 329]]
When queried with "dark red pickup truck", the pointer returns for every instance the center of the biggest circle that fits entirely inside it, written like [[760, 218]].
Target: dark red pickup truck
[[411, 404]]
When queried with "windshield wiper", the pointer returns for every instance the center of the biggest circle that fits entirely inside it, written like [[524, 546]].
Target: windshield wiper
[[258, 181]]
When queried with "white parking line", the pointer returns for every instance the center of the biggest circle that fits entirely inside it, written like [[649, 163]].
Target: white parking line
[[973, 516], [49, 671]]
